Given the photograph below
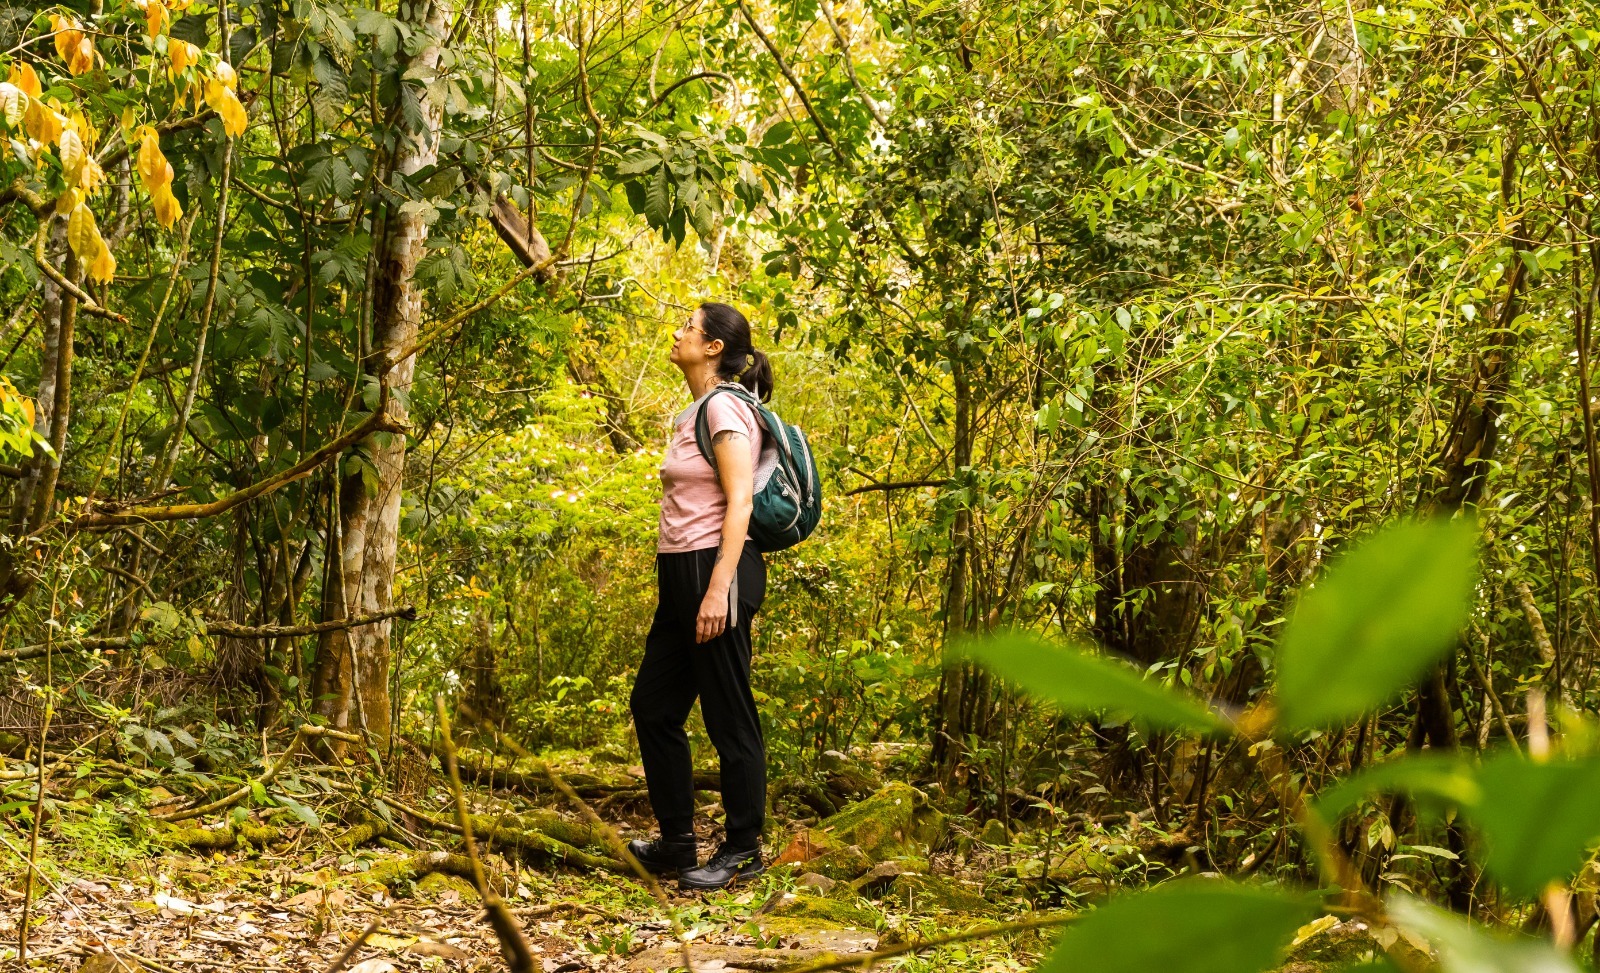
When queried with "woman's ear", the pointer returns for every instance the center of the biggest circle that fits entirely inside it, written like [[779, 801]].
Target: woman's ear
[[714, 348]]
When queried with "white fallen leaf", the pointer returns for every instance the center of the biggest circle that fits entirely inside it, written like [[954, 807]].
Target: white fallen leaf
[[172, 904], [374, 965]]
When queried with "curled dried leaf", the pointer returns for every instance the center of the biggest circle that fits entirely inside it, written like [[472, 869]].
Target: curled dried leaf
[[150, 159], [91, 177], [183, 54]]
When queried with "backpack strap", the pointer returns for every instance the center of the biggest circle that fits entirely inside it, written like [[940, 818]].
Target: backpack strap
[[702, 423]]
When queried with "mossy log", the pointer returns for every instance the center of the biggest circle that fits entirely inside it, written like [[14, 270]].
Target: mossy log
[[221, 839], [539, 839], [401, 875], [897, 822], [931, 893], [370, 828], [587, 786]]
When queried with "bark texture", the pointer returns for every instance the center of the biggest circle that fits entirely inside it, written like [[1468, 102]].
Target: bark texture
[[352, 677]]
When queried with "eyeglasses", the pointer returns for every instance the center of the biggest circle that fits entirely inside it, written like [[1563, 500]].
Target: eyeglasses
[[689, 326]]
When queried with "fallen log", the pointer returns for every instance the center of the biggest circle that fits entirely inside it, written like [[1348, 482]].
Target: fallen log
[[587, 786], [222, 839], [523, 836]]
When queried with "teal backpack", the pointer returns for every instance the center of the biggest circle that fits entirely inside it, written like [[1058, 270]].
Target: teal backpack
[[788, 492]]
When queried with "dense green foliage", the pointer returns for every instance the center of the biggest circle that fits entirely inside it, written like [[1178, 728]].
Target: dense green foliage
[[1111, 325]]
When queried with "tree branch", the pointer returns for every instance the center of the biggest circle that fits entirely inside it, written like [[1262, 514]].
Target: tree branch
[[698, 75], [86, 303], [379, 421], [902, 485], [236, 631], [214, 626], [794, 82]]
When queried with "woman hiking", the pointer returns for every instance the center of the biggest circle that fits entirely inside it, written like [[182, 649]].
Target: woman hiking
[[710, 582]]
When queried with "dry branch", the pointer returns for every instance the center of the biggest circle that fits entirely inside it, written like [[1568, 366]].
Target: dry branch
[[217, 626], [513, 945], [236, 631], [379, 421]]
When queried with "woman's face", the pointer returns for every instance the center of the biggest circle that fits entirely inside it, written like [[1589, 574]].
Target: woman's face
[[691, 345]]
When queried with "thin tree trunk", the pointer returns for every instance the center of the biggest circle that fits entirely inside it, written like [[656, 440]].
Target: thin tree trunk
[[957, 684], [353, 664], [61, 414]]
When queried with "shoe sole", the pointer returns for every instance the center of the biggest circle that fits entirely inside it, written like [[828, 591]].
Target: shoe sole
[[730, 883]]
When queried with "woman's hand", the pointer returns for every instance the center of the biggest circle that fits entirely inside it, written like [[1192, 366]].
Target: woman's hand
[[713, 618]]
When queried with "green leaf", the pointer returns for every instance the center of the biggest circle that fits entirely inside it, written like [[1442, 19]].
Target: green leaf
[[1445, 778], [1538, 819], [1195, 926], [1464, 948], [638, 165], [307, 816], [658, 200], [1079, 682], [1378, 619]]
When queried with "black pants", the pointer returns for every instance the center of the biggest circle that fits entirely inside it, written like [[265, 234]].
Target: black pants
[[675, 671]]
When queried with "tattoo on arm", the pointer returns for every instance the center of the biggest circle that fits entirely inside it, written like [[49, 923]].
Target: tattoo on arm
[[718, 561], [726, 436]]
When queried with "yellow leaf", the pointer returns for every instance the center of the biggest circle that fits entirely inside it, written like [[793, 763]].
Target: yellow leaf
[[151, 162], [13, 104], [183, 54], [104, 265], [227, 75], [79, 123], [67, 36], [72, 156], [167, 209], [23, 77], [68, 201], [82, 59], [83, 236], [92, 176], [227, 105], [155, 16], [42, 123]]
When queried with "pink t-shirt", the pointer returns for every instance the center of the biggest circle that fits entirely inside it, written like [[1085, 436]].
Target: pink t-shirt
[[692, 502]]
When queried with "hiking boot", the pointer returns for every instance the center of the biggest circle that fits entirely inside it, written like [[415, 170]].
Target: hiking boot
[[666, 854], [727, 867]]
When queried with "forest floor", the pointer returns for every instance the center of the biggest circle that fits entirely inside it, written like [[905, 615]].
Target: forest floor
[[230, 912], [115, 887]]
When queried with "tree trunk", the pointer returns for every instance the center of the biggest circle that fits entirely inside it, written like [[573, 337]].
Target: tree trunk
[[486, 694], [353, 664], [15, 578], [963, 689]]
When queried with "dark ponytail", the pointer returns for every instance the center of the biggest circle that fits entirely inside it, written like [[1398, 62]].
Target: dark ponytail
[[740, 361]]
